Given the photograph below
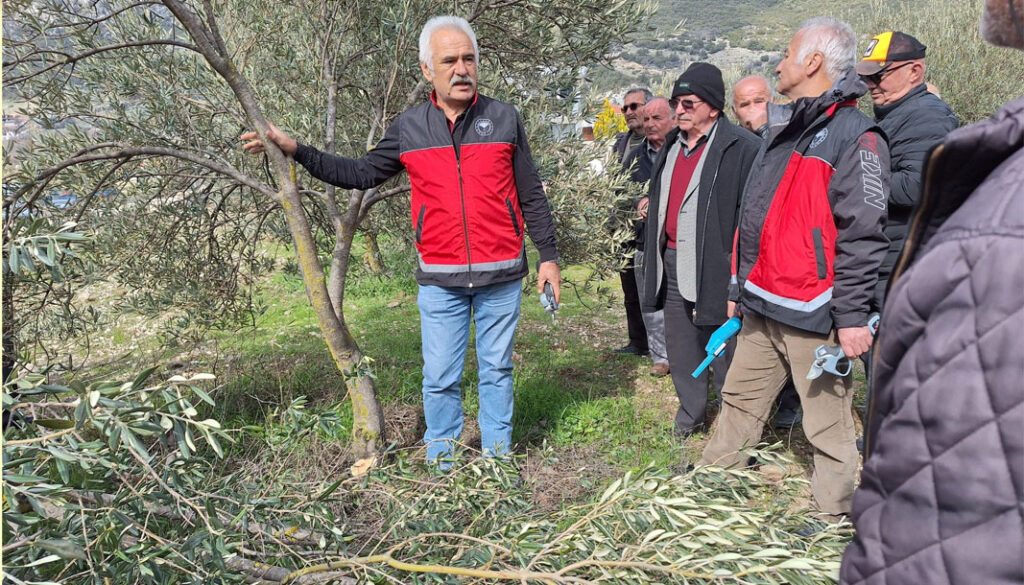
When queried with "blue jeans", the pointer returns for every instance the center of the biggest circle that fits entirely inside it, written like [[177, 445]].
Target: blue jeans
[[444, 328]]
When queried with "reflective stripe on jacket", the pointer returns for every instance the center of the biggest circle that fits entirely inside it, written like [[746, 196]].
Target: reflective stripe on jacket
[[810, 237]]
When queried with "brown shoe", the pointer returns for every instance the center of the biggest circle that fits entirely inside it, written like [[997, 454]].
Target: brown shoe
[[660, 370]]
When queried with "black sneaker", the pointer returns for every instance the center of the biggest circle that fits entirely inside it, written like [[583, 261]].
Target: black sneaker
[[787, 419], [632, 350]]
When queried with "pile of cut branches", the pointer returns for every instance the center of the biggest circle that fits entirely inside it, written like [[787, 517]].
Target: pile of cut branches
[[126, 483]]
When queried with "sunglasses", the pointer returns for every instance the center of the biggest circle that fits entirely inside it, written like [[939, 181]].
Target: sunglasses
[[687, 104], [876, 78], [631, 107]]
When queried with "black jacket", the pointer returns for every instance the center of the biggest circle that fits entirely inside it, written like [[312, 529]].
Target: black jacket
[[942, 491], [638, 165], [914, 125], [728, 162], [810, 237], [621, 145]]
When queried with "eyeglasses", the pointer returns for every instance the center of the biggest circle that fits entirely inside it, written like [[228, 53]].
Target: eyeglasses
[[876, 78], [631, 107], [687, 104]]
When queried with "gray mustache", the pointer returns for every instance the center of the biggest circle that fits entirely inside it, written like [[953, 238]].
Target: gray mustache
[[462, 79]]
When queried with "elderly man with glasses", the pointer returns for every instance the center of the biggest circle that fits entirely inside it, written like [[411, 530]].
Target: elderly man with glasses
[[806, 258], [694, 200], [914, 120], [940, 496], [625, 145]]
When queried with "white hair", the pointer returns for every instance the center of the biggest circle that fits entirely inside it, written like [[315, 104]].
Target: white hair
[[442, 22], [834, 39]]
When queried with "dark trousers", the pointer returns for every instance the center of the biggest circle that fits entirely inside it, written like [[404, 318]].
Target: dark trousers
[[634, 317], [788, 399], [685, 343]]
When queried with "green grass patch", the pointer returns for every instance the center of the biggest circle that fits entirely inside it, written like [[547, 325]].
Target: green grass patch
[[279, 382]]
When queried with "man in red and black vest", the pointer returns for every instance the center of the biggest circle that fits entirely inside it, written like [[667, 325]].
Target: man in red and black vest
[[475, 190], [808, 247]]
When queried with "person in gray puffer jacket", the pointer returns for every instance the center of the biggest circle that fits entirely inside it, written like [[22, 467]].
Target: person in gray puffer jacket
[[942, 491]]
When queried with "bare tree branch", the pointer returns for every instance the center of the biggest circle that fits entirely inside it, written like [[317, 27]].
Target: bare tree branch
[[131, 151], [95, 21], [379, 196], [211, 21], [100, 183], [72, 59]]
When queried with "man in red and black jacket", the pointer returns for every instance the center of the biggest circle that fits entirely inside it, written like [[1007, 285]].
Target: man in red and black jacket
[[475, 191], [808, 247]]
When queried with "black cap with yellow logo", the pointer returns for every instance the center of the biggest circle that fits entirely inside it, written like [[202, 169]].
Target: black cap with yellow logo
[[887, 48]]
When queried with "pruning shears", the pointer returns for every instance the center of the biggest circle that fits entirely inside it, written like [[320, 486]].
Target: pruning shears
[[547, 300], [831, 359]]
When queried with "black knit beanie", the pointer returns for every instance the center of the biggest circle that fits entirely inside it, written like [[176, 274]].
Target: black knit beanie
[[703, 80]]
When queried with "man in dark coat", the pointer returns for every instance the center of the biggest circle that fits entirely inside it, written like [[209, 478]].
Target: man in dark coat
[[914, 120], [694, 199], [658, 122], [942, 488], [625, 143]]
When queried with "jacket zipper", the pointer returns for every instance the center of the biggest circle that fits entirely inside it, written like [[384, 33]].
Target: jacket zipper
[[462, 202], [512, 214]]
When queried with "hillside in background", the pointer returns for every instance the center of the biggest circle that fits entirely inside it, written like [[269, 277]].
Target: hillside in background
[[760, 19], [742, 37]]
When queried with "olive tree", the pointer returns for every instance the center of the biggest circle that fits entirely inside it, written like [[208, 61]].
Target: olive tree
[[140, 103]]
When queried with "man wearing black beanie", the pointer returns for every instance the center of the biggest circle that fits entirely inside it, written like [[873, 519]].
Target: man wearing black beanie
[[703, 80], [694, 199]]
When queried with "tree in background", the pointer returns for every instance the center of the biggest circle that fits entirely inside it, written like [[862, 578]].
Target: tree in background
[[142, 102]]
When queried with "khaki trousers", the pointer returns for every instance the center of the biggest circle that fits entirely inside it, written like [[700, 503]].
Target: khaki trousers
[[767, 352]]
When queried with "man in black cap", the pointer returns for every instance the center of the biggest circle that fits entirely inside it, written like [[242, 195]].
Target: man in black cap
[[914, 120], [940, 495], [694, 200]]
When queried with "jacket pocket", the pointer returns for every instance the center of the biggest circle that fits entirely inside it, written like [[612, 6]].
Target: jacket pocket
[[419, 224], [512, 214], [819, 253]]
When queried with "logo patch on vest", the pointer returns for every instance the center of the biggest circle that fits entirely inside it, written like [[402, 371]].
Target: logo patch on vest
[[484, 127], [819, 137]]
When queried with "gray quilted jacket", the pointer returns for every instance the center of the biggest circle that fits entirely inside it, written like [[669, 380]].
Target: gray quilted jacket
[[940, 500]]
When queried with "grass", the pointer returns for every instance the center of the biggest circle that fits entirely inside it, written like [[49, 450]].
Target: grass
[[574, 396], [571, 390], [588, 423]]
